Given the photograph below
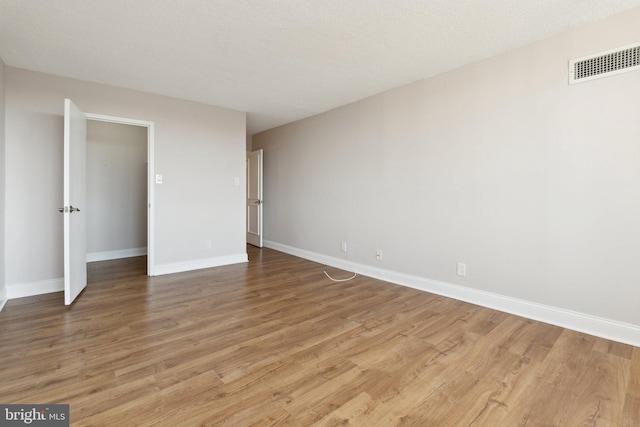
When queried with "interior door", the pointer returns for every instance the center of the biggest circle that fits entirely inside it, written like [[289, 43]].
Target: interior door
[[254, 198], [73, 210]]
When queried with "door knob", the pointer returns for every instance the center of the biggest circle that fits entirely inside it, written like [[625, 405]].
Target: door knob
[[69, 209]]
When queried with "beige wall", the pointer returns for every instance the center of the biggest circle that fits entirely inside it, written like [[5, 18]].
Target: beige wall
[[3, 289], [501, 165], [116, 189], [199, 149]]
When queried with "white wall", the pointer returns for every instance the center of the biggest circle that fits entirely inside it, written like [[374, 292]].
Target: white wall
[[199, 149], [3, 288], [501, 165], [116, 190]]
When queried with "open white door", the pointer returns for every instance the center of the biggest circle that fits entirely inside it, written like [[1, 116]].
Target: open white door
[[254, 198], [75, 234]]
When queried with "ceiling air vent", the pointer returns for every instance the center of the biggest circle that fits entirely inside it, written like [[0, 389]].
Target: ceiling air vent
[[603, 64]]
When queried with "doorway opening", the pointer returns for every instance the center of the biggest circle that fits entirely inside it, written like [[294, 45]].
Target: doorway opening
[[119, 189], [116, 180], [254, 198]]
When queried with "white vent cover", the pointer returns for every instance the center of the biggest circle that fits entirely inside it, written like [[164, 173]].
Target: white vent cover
[[603, 64]]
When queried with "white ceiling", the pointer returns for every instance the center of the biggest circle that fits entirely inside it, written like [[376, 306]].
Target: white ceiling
[[278, 60]]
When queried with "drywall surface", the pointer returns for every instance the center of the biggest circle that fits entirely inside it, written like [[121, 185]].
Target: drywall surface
[[500, 165], [281, 60], [116, 187], [3, 287], [199, 150]]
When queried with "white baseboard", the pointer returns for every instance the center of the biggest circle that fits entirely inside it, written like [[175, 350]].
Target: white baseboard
[[20, 290], [179, 267], [109, 255], [3, 296], [581, 322]]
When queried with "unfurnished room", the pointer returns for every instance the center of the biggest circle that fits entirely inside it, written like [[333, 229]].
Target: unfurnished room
[[319, 213]]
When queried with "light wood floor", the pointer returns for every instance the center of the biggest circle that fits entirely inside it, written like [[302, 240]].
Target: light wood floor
[[274, 342]]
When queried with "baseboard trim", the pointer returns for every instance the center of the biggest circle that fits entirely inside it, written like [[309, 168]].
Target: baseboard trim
[[119, 254], [581, 322], [20, 290], [3, 303], [179, 267]]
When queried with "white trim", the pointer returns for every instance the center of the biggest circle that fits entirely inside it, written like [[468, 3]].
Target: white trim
[[179, 267], [3, 295], [3, 303], [122, 253], [20, 290], [115, 119], [150, 179], [151, 198], [581, 322]]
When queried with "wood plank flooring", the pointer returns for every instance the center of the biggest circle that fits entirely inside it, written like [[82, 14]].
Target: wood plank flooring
[[274, 342]]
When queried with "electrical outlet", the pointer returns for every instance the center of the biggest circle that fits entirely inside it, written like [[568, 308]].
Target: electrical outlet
[[207, 244], [379, 255], [461, 269], [343, 247]]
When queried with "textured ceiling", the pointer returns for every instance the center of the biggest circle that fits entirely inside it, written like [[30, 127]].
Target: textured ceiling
[[278, 60]]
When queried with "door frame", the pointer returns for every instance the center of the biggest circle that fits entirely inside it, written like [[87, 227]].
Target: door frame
[[150, 181], [257, 202]]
